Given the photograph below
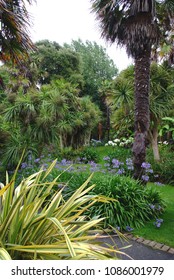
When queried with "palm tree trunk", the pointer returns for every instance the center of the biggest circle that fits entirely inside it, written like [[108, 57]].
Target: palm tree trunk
[[142, 87]]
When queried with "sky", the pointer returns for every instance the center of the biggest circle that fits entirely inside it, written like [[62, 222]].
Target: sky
[[66, 20]]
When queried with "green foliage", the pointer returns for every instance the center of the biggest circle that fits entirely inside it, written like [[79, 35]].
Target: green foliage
[[120, 153], [54, 115], [54, 61], [167, 127], [35, 226], [13, 149], [163, 170], [89, 154], [165, 233], [130, 203], [96, 66]]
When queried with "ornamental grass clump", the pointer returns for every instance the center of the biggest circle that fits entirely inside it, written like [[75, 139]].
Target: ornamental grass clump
[[34, 225]]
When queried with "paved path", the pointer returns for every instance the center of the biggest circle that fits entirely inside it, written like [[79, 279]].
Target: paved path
[[137, 250]]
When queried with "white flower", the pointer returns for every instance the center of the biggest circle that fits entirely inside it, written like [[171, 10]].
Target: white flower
[[117, 140], [121, 144]]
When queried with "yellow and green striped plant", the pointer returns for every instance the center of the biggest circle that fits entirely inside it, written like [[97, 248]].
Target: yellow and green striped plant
[[33, 226]]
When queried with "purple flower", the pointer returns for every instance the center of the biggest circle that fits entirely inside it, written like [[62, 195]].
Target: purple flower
[[146, 165], [152, 206], [158, 184], [37, 160], [92, 163], [160, 220], [120, 171], [23, 165], [158, 223], [145, 178], [29, 157], [149, 171], [106, 158], [128, 228], [116, 163], [129, 161], [63, 161]]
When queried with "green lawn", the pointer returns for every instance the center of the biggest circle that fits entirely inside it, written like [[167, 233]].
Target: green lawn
[[164, 234]]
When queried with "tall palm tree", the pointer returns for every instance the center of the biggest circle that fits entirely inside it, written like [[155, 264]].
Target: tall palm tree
[[135, 24], [15, 41]]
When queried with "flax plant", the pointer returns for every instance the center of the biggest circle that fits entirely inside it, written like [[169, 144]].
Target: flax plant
[[33, 226]]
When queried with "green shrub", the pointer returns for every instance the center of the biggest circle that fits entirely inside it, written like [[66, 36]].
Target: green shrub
[[131, 203], [163, 170], [33, 226], [68, 153], [89, 154], [120, 153]]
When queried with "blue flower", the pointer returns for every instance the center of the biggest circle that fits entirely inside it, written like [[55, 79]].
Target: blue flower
[[146, 165], [152, 206], [120, 171], [145, 178], [158, 223], [63, 162], [37, 160], [158, 184], [106, 158], [23, 165], [128, 228]]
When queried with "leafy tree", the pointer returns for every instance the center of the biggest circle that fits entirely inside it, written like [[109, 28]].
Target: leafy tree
[[96, 66], [54, 61], [136, 25], [15, 42]]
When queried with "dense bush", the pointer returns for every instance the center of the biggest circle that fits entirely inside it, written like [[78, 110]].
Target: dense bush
[[130, 206]]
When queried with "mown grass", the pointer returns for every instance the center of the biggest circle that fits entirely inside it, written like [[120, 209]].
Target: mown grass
[[164, 234]]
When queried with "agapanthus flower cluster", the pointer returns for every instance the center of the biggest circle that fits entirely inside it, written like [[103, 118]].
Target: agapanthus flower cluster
[[158, 223], [128, 228], [147, 170]]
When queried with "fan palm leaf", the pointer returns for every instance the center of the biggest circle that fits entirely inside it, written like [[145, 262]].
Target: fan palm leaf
[[14, 36]]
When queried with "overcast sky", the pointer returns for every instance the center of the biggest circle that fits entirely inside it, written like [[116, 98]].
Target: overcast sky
[[66, 20]]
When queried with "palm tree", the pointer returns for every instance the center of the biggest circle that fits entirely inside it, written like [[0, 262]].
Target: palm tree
[[161, 101], [135, 25], [15, 42]]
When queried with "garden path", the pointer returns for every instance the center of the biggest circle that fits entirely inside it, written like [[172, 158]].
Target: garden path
[[138, 249]]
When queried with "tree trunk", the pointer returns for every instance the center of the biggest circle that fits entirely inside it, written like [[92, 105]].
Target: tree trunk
[[153, 136], [155, 150], [61, 142], [142, 87]]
